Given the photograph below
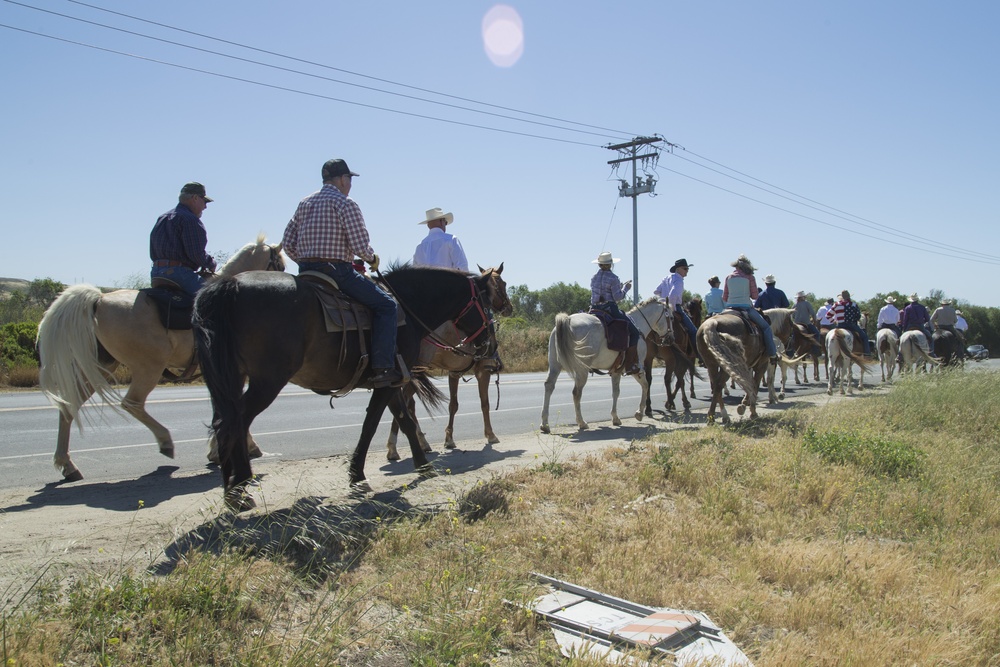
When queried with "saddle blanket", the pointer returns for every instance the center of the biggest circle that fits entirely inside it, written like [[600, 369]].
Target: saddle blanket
[[173, 306], [340, 312], [615, 330]]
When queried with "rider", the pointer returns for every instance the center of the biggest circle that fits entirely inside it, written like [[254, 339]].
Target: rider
[[804, 314], [771, 297], [671, 290], [606, 290], [847, 315], [177, 242], [325, 233], [739, 293], [439, 248], [823, 315], [944, 318], [888, 316], [915, 317], [713, 299]]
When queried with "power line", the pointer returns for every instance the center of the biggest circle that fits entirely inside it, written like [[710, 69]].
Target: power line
[[300, 72], [294, 90]]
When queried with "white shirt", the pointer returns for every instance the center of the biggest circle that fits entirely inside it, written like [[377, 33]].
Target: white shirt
[[825, 315], [671, 289], [441, 249], [888, 315], [961, 324]]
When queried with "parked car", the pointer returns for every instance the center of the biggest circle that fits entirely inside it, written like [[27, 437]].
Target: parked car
[[978, 352]]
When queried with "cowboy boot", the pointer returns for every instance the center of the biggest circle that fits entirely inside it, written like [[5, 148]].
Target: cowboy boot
[[631, 361]]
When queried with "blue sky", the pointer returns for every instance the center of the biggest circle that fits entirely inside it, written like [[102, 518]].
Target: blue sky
[[869, 129]]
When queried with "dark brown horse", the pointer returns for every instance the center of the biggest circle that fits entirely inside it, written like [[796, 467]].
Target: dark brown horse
[[264, 330], [445, 351], [677, 354]]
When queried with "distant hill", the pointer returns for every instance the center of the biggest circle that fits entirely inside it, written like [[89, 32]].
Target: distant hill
[[14, 284]]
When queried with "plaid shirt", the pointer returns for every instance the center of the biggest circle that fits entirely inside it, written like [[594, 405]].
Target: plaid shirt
[[179, 235], [605, 286], [327, 224]]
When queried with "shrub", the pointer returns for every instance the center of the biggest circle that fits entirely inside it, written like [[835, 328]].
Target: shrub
[[17, 345], [876, 455]]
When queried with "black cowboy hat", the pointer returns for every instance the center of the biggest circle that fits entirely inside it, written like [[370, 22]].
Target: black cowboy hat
[[680, 263]]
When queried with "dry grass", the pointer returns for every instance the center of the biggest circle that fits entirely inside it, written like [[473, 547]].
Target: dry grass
[[806, 555]]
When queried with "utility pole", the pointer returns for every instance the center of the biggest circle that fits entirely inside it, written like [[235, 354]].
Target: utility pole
[[630, 150]]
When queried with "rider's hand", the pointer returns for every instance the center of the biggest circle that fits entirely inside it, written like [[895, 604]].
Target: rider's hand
[[373, 264], [627, 285]]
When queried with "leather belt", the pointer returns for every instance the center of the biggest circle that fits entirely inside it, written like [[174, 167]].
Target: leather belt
[[322, 260], [168, 262]]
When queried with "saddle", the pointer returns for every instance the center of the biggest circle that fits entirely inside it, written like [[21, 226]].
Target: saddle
[[340, 312], [615, 330], [173, 305], [751, 326]]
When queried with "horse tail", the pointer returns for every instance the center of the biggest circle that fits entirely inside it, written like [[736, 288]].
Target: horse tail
[[728, 351], [428, 393], [850, 354], [215, 342], [67, 345], [566, 346], [923, 353]]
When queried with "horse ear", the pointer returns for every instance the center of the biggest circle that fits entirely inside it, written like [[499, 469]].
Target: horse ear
[[277, 248], [500, 268], [481, 269]]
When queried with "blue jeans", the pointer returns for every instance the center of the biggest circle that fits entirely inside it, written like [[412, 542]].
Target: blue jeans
[[764, 326], [686, 321], [186, 278], [366, 292]]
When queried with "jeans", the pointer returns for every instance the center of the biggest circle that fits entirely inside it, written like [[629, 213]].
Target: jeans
[[764, 326], [857, 331], [366, 292], [186, 278]]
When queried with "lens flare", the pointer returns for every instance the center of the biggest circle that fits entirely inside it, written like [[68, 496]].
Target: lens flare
[[503, 35]]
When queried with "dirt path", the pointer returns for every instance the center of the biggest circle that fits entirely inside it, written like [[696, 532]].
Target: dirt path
[[104, 527]]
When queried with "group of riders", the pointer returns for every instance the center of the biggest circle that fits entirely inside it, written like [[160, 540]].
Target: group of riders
[[740, 293]]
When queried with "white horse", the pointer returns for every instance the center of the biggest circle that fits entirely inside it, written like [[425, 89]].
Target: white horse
[[85, 335], [841, 355], [887, 345], [915, 352], [578, 344]]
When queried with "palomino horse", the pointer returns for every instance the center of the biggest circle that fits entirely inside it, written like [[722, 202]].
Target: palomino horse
[[267, 329], [445, 350], [915, 352], [578, 344], [887, 345], [85, 335], [843, 351], [730, 350], [783, 328]]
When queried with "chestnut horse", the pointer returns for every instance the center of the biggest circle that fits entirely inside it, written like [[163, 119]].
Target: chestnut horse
[[730, 350], [263, 330], [444, 350], [85, 335]]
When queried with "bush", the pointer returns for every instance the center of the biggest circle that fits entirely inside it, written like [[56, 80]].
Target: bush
[[875, 455], [17, 345]]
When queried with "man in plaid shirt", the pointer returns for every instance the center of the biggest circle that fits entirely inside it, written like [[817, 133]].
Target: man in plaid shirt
[[847, 315], [324, 235]]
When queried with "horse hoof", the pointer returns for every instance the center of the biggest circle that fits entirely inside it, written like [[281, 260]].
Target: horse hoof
[[781, 396], [255, 453], [584, 426], [544, 429], [493, 440], [392, 457], [740, 409], [426, 471], [450, 445], [167, 451], [238, 500], [74, 476], [359, 489], [638, 416]]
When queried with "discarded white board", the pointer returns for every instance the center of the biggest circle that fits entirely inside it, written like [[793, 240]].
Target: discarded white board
[[586, 622]]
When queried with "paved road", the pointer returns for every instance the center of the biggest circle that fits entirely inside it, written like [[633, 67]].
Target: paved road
[[299, 425]]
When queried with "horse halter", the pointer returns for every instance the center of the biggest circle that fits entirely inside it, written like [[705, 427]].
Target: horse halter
[[476, 306]]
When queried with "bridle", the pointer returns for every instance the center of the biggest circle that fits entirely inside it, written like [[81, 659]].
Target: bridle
[[274, 261], [652, 328]]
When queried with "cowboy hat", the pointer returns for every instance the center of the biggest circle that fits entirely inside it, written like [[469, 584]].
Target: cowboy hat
[[605, 258], [800, 295], [769, 279], [680, 263], [437, 214], [914, 297], [890, 299], [945, 302]]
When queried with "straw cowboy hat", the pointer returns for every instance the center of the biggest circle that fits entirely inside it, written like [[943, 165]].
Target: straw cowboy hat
[[890, 299], [605, 258], [681, 263], [914, 298], [769, 279], [945, 302], [800, 295], [437, 214]]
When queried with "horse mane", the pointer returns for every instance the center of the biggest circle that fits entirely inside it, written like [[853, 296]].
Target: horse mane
[[779, 316], [234, 263]]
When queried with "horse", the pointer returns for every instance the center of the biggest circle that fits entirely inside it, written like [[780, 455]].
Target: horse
[[784, 328], [887, 345], [729, 350], [947, 348], [578, 344], [914, 350], [85, 335], [840, 350], [444, 351], [266, 330], [677, 353]]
